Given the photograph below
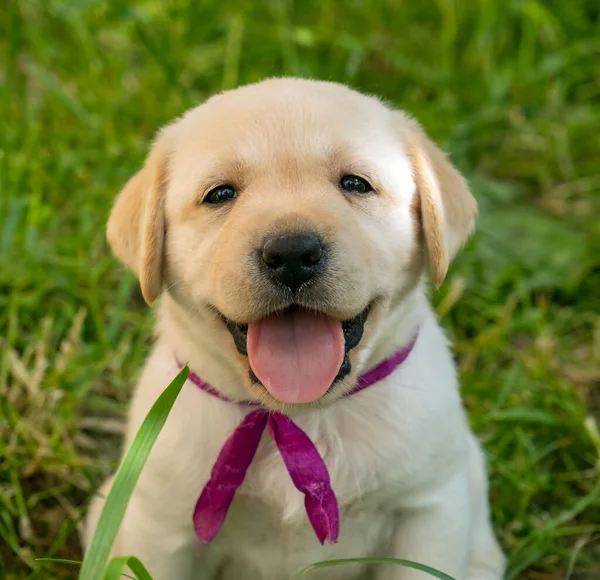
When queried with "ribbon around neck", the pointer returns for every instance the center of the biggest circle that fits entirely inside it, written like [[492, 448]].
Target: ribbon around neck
[[302, 460]]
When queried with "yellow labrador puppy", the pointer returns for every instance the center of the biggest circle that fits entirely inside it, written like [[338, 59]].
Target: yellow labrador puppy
[[287, 228]]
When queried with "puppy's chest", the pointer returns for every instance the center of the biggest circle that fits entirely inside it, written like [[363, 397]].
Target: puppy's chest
[[255, 537], [359, 472], [268, 518]]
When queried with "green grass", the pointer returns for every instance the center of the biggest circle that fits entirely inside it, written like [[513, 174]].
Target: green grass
[[511, 88]]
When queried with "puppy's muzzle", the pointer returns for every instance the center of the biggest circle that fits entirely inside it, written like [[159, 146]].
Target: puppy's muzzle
[[293, 260]]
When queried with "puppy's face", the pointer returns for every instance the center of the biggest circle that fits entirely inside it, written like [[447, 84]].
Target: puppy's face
[[297, 212]]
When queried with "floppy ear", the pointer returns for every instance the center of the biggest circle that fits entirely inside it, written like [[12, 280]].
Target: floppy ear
[[136, 226], [447, 208]]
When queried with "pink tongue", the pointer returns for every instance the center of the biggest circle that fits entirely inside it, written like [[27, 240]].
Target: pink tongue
[[296, 355]]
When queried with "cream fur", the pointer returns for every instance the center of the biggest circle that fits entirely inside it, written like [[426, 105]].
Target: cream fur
[[409, 476]]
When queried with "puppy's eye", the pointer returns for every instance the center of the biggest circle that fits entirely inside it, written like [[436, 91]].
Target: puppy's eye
[[354, 184], [220, 194]]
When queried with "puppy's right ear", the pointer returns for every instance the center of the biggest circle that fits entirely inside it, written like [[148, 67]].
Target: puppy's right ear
[[136, 226]]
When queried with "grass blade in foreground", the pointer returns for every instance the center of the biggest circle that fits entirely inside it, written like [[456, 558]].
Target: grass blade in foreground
[[406, 563], [58, 561], [126, 477], [117, 565]]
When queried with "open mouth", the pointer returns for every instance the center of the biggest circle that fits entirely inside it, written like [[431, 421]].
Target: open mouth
[[297, 354]]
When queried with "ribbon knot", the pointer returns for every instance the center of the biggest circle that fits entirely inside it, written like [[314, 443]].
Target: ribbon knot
[[304, 464]]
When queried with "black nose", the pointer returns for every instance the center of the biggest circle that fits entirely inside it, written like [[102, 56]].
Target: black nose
[[293, 260]]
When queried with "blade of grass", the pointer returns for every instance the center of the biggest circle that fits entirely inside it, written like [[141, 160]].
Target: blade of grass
[[59, 561], [233, 52], [395, 561], [126, 477], [117, 565]]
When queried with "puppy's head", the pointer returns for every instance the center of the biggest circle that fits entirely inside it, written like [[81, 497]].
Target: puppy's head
[[299, 212]]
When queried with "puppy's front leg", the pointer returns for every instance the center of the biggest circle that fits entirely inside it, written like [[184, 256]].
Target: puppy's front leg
[[166, 549], [435, 533]]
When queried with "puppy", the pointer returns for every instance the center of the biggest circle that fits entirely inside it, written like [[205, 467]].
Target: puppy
[[288, 228]]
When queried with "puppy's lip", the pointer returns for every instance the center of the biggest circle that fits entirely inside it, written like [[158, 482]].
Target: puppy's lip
[[243, 325], [239, 332]]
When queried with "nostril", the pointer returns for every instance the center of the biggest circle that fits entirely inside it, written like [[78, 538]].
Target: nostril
[[271, 258], [313, 256]]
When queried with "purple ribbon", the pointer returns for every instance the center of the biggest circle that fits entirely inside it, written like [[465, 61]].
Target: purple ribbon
[[305, 465]]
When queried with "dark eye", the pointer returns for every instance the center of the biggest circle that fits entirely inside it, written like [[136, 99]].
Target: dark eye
[[220, 194], [354, 184]]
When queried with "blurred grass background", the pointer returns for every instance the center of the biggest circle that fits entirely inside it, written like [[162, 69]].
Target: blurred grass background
[[510, 88]]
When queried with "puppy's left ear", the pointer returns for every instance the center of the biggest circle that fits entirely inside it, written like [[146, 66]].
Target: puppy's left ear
[[447, 208]]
